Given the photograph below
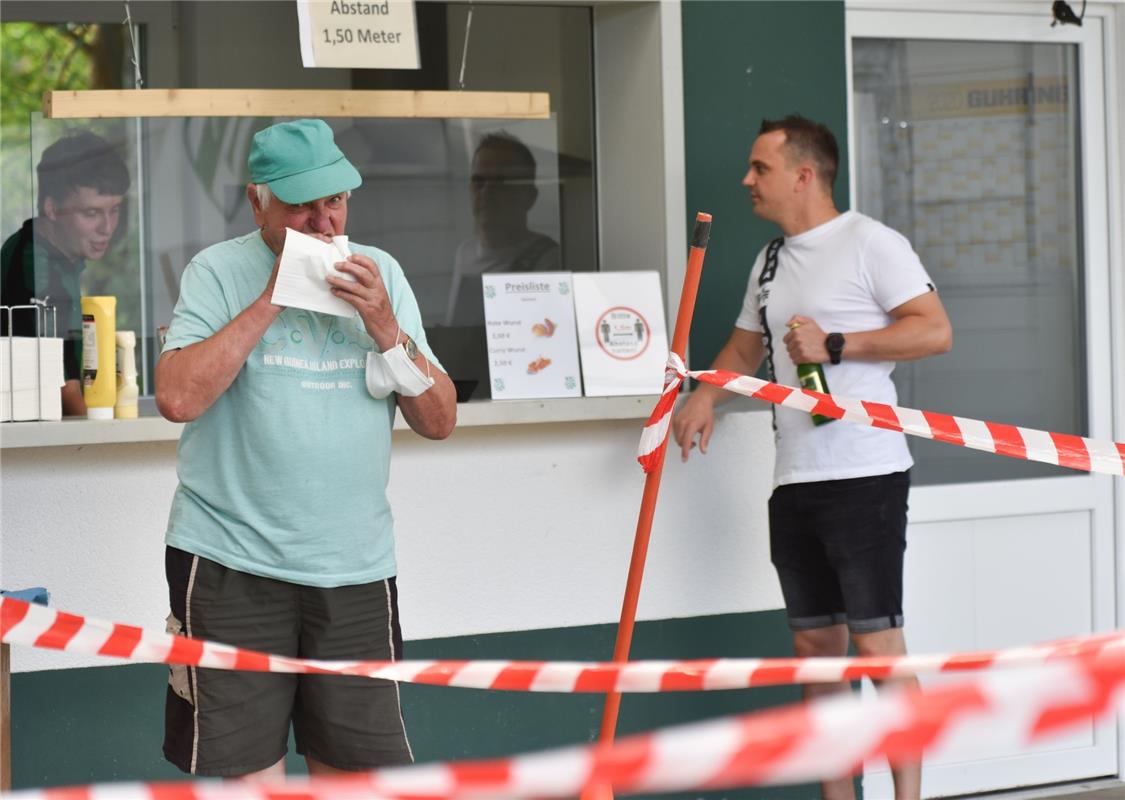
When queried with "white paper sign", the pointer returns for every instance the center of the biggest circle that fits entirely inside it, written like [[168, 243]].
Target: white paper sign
[[532, 342], [343, 33], [305, 263], [621, 332]]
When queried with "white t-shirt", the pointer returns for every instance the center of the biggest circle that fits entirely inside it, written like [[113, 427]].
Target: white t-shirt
[[847, 275]]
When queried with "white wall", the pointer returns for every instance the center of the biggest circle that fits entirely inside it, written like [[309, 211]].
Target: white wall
[[498, 528]]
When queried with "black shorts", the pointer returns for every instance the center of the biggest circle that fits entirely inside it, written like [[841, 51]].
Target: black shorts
[[228, 723], [838, 548]]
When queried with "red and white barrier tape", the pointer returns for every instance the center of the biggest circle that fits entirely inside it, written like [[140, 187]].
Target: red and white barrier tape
[[825, 739], [1062, 449], [39, 626]]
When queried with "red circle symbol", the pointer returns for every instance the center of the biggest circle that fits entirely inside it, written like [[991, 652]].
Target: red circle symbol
[[622, 334]]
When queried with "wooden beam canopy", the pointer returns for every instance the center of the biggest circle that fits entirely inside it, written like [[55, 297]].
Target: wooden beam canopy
[[101, 103]]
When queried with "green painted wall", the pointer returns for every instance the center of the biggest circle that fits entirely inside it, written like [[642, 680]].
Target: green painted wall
[[105, 723], [745, 61]]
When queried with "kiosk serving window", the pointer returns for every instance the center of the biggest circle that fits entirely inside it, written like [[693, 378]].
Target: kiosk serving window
[[451, 199]]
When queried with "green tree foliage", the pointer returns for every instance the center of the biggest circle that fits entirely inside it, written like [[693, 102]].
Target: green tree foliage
[[37, 57]]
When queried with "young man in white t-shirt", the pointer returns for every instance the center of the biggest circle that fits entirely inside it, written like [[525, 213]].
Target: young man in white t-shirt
[[846, 292]]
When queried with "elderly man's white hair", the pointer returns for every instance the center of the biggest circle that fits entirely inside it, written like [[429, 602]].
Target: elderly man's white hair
[[265, 196]]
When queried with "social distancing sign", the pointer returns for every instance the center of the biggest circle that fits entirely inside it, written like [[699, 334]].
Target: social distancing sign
[[357, 35]]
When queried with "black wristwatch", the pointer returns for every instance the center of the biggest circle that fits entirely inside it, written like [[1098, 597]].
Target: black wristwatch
[[834, 342]]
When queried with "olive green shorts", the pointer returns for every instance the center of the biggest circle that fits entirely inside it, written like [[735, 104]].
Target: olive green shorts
[[228, 723]]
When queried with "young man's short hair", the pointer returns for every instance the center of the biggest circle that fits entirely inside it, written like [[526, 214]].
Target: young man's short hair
[[80, 159], [811, 140]]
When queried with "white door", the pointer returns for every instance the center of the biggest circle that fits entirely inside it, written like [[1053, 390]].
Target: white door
[[981, 137]]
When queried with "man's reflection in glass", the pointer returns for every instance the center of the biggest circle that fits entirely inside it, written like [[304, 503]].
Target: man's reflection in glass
[[82, 183], [502, 189]]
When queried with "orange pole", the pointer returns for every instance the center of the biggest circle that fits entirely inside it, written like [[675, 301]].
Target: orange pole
[[688, 294]]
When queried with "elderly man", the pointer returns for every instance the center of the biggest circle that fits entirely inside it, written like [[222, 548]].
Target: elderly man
[[280, 535], [846, 292]]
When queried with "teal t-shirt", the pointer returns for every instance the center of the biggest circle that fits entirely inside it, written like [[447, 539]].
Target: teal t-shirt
[[285, 475]]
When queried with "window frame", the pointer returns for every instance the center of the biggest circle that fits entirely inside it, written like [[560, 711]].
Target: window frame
[[641, 198]]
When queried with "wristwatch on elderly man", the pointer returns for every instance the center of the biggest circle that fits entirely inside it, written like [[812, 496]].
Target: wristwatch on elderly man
[[410, 348]]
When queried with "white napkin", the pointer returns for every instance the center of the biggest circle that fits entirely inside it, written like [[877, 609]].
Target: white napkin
[[305, 263], [21, 398]]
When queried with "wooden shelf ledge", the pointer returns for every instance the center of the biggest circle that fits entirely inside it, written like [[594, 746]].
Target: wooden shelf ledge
[[100, 103]]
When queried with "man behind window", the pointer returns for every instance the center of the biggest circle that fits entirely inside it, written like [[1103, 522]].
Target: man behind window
[[502, 191], [848, 293], [82, 183], [280, 536]]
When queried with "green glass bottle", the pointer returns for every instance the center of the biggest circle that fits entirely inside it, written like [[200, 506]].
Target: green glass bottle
[[812, 378]]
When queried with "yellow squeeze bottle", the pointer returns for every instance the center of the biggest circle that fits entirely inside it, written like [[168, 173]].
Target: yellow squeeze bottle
[[99, 357], [125, 407]]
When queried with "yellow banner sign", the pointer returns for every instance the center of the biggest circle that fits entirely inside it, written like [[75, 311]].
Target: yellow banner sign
[[1049, 95]]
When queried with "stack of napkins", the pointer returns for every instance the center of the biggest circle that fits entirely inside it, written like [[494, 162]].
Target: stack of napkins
[[305, 263], [21, 396]]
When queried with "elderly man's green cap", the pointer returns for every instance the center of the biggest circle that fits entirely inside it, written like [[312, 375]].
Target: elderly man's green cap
[[300, 162]]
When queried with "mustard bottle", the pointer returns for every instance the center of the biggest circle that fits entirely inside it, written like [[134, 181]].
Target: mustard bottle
[[99, 357]]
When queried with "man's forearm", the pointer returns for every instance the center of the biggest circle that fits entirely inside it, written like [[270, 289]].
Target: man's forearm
[[742, 355], [904, 339], [433, 413], [710, 394], [190, 380]]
